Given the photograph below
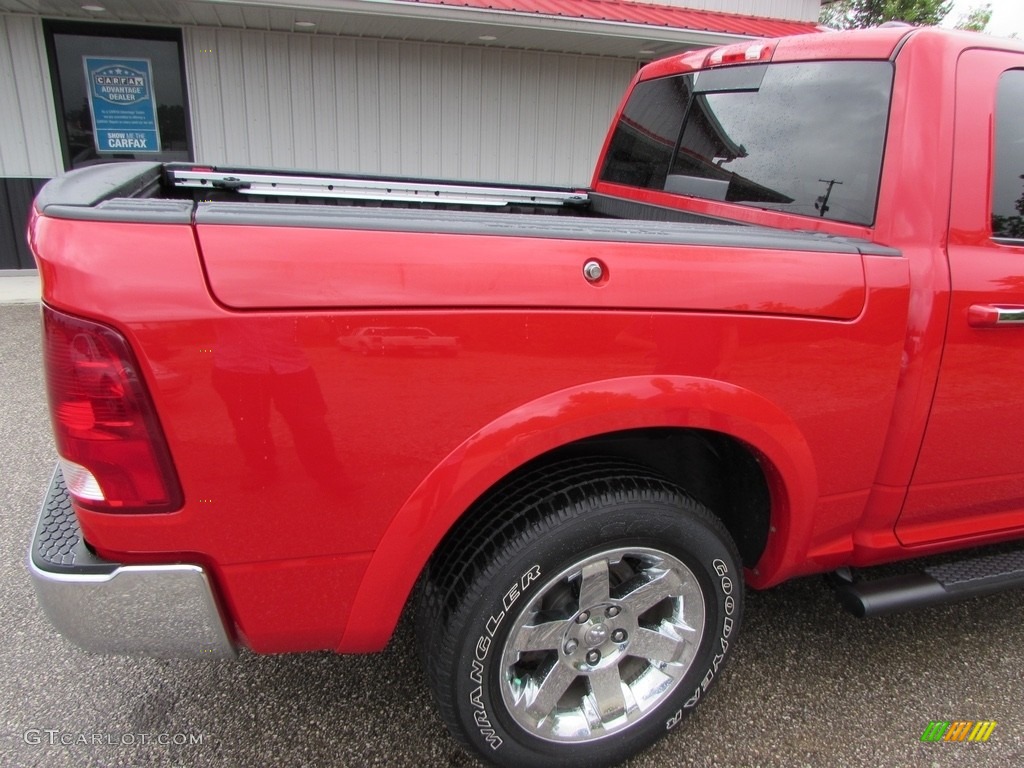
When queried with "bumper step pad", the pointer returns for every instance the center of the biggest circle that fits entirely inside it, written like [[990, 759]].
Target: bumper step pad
[[58, 545]]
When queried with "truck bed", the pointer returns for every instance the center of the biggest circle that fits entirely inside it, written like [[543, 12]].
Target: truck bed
[[118, 188], [187, 193]]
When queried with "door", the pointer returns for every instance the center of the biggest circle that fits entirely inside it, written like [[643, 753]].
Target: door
[[969, 480]]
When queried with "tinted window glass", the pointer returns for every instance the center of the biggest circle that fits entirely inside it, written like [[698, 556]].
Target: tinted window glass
[[805, 138], [646, 135], [1008, 184]]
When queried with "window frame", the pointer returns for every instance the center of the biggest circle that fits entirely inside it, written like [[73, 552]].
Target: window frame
[[52, 27]]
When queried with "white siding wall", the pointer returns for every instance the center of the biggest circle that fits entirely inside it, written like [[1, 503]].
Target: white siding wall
[[28, 126], [384, 107]]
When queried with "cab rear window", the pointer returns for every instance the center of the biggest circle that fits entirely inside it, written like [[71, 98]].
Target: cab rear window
[[805, 138]]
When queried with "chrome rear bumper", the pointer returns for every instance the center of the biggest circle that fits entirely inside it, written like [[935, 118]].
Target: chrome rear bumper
[[106, 607]]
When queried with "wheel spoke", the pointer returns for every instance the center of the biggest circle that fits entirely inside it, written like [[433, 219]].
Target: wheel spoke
[[666, 584], [594, 586], [547, 694], [601, 643], [656, 646], [539, 637], [606, 686]]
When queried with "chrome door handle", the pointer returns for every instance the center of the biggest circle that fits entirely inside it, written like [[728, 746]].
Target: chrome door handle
[[994, 316]]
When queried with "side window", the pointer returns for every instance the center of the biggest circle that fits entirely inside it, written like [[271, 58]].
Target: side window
[[645, 138], [1008, 179]]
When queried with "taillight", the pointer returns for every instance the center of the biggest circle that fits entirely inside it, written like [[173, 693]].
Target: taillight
[[113, 452]]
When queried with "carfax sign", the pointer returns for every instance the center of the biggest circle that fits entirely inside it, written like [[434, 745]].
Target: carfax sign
[[122, 104]]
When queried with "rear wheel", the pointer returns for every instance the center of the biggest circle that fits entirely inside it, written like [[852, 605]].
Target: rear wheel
[[584, 626]]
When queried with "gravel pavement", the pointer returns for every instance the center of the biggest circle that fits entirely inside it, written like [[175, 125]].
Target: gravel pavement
[[808, 684]]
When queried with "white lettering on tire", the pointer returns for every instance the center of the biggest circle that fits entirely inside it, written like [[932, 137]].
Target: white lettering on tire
[[722, 570], [483, 648]]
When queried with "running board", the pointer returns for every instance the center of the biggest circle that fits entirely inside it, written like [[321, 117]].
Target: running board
[[933, 585]]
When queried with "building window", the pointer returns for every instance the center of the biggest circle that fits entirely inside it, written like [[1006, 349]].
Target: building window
[[119, 93]]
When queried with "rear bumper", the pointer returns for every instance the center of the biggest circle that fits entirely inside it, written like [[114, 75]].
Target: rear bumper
[[106, 607]]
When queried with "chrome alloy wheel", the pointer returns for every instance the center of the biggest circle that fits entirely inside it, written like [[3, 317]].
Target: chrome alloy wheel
[[602, 644]]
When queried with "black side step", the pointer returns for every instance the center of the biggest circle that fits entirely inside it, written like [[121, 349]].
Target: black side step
[[937, 584]]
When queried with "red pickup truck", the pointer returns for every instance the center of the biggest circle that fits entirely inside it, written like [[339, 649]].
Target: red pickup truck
[[779, 335]]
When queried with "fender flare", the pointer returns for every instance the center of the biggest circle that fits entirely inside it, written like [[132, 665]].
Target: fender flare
[[565, 417]]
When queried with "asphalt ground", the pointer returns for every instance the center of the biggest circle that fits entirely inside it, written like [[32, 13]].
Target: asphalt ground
[[808, 685]]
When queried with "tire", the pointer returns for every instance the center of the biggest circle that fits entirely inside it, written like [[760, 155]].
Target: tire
[[585, 624]]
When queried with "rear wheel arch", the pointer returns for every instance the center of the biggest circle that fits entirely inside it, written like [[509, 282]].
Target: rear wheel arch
[[652, 413]]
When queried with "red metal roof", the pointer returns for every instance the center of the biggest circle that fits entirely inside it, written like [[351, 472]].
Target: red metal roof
[[625, 12]]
